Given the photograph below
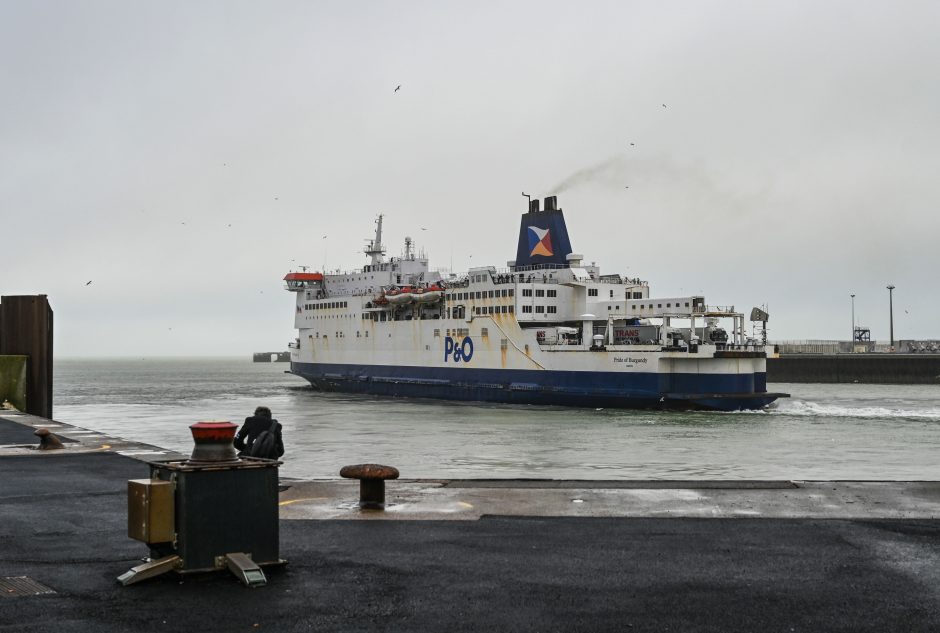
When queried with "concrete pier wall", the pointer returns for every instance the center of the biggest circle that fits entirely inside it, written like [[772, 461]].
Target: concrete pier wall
[[896, 369], [271, 357]]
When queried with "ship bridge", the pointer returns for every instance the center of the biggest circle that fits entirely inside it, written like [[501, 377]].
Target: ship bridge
[[298, 282]]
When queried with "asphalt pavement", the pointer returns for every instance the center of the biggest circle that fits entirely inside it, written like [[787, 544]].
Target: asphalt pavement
[[63, 524]]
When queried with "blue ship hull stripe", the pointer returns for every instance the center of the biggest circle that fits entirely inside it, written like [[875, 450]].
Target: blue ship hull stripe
[[568, 388]]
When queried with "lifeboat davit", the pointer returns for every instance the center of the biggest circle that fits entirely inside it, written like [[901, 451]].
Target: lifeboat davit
[[431, 294], [399, 296]]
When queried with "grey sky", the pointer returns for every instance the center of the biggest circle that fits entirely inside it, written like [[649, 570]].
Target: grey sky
[[794, 163]]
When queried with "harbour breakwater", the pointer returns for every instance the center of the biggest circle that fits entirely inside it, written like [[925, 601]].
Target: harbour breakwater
[[889, 369], [271, 357]]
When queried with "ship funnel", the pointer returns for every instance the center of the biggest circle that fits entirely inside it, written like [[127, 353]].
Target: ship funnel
[[543, 236]]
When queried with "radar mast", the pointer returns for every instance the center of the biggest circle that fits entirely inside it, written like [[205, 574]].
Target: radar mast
[[375, 250]]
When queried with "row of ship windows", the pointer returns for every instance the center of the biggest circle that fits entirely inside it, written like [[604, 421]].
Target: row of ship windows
[[333, 316], [459, 332], [351, 278], [496, 309], [343, 335], [592, 292], [506, 278], [659, 305], [540, 309], [329, 305], [455, 332], [527, 292], [484, 294], [338, 335]]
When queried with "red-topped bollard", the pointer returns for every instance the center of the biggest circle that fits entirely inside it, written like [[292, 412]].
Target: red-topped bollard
[[214, 442]]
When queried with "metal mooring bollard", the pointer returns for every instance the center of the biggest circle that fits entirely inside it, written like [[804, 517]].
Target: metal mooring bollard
[[371, 483], [47, 441]]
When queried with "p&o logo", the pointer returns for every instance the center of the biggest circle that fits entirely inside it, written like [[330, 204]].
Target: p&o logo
[[462, 351], [540, 242]]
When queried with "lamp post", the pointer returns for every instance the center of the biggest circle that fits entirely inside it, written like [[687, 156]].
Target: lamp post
[[853, 322], [891, 312]]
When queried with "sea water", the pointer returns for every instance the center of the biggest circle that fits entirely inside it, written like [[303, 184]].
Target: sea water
[[840, 431]]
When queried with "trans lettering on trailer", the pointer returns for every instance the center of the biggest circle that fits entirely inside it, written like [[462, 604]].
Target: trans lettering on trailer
[[626, 333], [458, 351]]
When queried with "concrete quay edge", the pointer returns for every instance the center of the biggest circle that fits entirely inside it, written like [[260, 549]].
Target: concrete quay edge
[[467, 499]]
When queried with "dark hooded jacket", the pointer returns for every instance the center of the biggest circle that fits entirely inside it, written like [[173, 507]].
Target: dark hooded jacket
[[250, 431]]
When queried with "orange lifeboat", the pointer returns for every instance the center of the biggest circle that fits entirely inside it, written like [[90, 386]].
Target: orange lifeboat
[[431, 294], [400, 296]]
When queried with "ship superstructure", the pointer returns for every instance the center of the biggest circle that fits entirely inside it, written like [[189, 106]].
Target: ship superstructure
[[546, 329]]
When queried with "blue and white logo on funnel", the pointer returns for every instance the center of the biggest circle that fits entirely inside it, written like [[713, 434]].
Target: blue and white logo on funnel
[[543, 236]]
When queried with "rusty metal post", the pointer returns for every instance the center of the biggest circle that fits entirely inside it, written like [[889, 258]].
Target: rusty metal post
[[48, 441], [371, 483], [26, 329], [372, 494]]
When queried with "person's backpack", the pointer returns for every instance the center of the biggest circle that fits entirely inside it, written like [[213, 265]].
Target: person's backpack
[[265, 445]]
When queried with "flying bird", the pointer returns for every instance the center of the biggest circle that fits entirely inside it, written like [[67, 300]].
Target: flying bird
[[397, 88], [323, 238], [89, 283], [627, 187], [632, 144], [423, 229], [664, 105]]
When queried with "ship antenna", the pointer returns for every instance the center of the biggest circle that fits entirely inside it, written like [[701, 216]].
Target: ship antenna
[[527, 196]]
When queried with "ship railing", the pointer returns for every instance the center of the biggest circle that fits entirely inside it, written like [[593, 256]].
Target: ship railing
[[752, 346], [636, 281], [522, 269], [534, 278], [729, 310], [537, 273]]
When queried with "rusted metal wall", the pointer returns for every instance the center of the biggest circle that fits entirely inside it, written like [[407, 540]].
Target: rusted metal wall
[[26, 329]]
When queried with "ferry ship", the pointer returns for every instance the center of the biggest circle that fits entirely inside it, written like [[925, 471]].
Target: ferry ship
[[547, 329]]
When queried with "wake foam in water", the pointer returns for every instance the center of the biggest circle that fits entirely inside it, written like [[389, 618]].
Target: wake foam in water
[[813, 409]]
